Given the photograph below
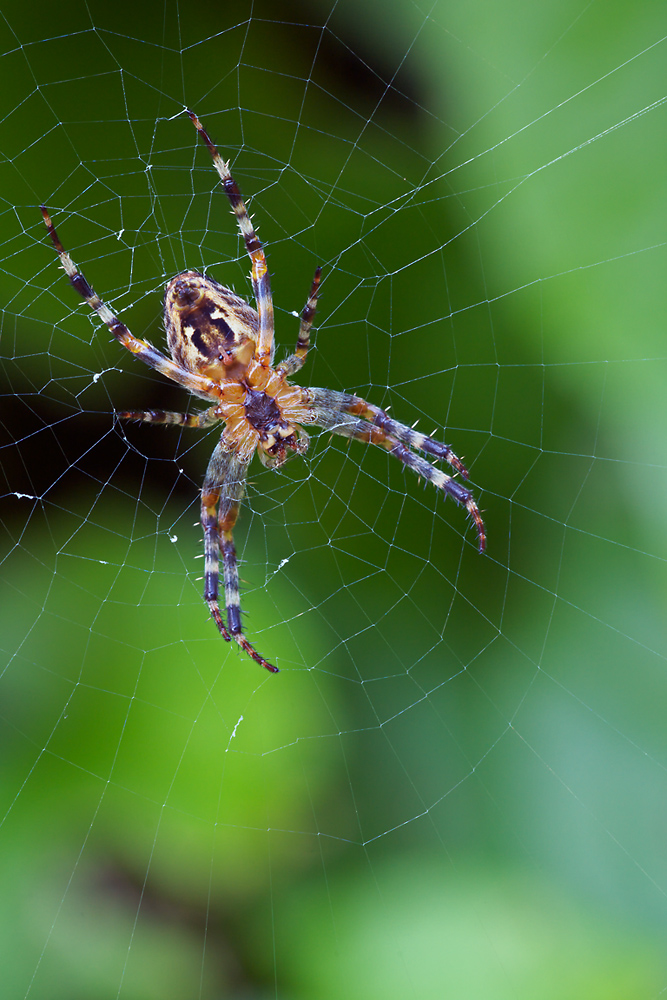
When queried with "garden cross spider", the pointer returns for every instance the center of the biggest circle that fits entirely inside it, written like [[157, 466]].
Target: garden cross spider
[[222, 351]]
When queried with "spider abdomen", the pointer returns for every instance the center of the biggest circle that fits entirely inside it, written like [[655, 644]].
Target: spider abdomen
[[210, 329]]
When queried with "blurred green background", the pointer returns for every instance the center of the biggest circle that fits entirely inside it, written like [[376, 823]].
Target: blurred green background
[[456, 786]]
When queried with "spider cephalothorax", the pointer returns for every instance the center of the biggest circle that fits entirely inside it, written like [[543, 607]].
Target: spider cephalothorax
[[222, 351]]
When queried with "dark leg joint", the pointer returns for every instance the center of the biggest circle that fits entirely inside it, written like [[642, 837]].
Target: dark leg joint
[[81, 285], [234, 619], [458, 492]]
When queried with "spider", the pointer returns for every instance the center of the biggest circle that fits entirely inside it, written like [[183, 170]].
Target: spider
[[222, 351]]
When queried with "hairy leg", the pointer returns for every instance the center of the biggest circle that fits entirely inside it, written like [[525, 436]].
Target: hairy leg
[[329, 401], [140, 348], [261, 282], [223, 489], [197, 420], [345, 424], [298, 359]]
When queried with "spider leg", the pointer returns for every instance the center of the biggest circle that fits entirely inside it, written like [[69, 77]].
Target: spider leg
[[362, 430], [461, 494], [298, 359], [223, 489], [141, 348], [358, 407], [261, 283], [198, 420], [406, 435]]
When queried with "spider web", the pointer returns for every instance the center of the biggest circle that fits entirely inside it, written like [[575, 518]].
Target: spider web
[[456, 785]]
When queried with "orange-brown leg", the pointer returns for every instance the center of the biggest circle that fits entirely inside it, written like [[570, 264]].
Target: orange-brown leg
[[342, 422], [140, 348], [197, 420], [261, 283], [298, 359], [222, 492]]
